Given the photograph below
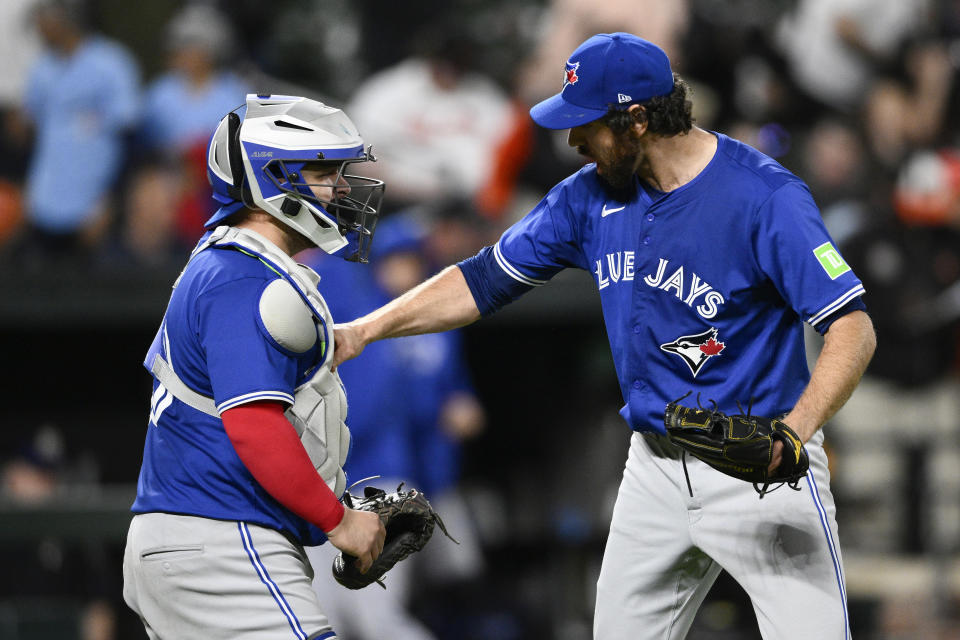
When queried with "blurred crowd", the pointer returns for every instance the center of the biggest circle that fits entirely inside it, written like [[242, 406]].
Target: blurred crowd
[[104, 124]]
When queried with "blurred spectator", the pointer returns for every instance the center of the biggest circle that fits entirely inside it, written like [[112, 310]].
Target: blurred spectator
[[437, 123], [82, 100], [455, 229], [834, 162], [62, 587], [410, 407], [567, 23], [19, 47], [183, 105], [898, 438], [386, 28], [726, 46], [834, 47], [444, 411], [908, 110], [169, 198], [839, 171]]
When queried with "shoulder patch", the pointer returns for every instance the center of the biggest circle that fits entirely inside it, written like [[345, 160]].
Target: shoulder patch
[[831, 261], [286, 317]]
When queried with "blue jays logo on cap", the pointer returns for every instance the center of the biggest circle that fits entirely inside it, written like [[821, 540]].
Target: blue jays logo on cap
[[608, 69], [570, 73]]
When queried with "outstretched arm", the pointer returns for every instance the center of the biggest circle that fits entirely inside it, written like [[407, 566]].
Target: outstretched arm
[[441, 303], [848, 346]]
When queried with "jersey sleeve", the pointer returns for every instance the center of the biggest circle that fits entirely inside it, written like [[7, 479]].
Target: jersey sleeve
[[243, 363], [795, 251], [527, 255]]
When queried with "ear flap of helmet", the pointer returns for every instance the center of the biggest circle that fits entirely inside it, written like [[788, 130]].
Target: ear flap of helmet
[[240, 189]]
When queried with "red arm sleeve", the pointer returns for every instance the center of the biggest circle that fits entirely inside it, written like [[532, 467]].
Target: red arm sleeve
[[269, 447]]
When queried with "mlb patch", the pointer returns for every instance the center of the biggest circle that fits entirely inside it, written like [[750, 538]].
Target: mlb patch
[[831, 261]]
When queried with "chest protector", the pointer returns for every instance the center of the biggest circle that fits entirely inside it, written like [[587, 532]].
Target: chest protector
[[319, 410]]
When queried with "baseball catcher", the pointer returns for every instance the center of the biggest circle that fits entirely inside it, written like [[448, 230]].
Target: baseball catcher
[[409, 520], [740, 445]]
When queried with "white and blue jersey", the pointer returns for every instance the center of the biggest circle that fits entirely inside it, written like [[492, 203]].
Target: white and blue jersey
[[703, 288], [213, 337]]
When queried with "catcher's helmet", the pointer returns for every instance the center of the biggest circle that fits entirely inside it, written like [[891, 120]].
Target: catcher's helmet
[[256, 157]]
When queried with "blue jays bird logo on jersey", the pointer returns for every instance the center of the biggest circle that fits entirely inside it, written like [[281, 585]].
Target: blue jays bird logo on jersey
[[695, 350], [570, 73]]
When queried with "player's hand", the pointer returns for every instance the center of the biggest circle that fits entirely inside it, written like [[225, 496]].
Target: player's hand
[[359, 534], [804, 430], [348, 341], [776, 458]]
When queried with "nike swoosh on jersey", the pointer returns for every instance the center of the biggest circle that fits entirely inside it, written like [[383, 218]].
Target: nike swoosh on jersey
[[606, 212]]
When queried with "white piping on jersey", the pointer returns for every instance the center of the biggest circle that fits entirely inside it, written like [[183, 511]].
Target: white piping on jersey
[[159, 402], [836, 304], [259, 395], [512, 271], [166, 345], [162, 398]]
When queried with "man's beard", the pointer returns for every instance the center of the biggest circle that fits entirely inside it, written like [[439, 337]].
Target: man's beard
[[616, 169]]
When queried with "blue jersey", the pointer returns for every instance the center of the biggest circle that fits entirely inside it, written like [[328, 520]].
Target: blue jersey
[[213, 337], [395, 433], [703, 288], [434, 365]]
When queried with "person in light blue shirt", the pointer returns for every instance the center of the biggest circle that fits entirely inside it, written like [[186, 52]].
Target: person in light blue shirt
[[170, 198], [82, 98], [183, 106]]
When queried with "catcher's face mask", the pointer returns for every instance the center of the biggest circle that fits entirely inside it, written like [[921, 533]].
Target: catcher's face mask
[[349, 201]]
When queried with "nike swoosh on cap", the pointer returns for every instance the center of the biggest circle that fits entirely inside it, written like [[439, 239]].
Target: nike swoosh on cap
[[606, 212]]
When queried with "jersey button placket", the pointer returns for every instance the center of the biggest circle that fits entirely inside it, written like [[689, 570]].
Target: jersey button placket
[[649, 217], [639, 389]]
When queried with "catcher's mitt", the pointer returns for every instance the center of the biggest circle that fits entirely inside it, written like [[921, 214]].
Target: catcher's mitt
[[409, 520], [739, 445]]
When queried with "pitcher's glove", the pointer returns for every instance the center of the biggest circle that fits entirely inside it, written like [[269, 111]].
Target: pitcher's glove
[[409, 520], [739, 445]]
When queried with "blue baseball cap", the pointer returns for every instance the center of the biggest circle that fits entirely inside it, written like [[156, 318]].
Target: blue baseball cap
[[607, 69], [399, 233]]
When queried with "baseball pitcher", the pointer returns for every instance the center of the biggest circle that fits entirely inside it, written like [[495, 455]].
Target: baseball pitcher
[[708, 257]]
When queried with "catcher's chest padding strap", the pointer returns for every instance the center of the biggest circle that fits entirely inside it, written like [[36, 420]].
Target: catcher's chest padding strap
[[165, 374]]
